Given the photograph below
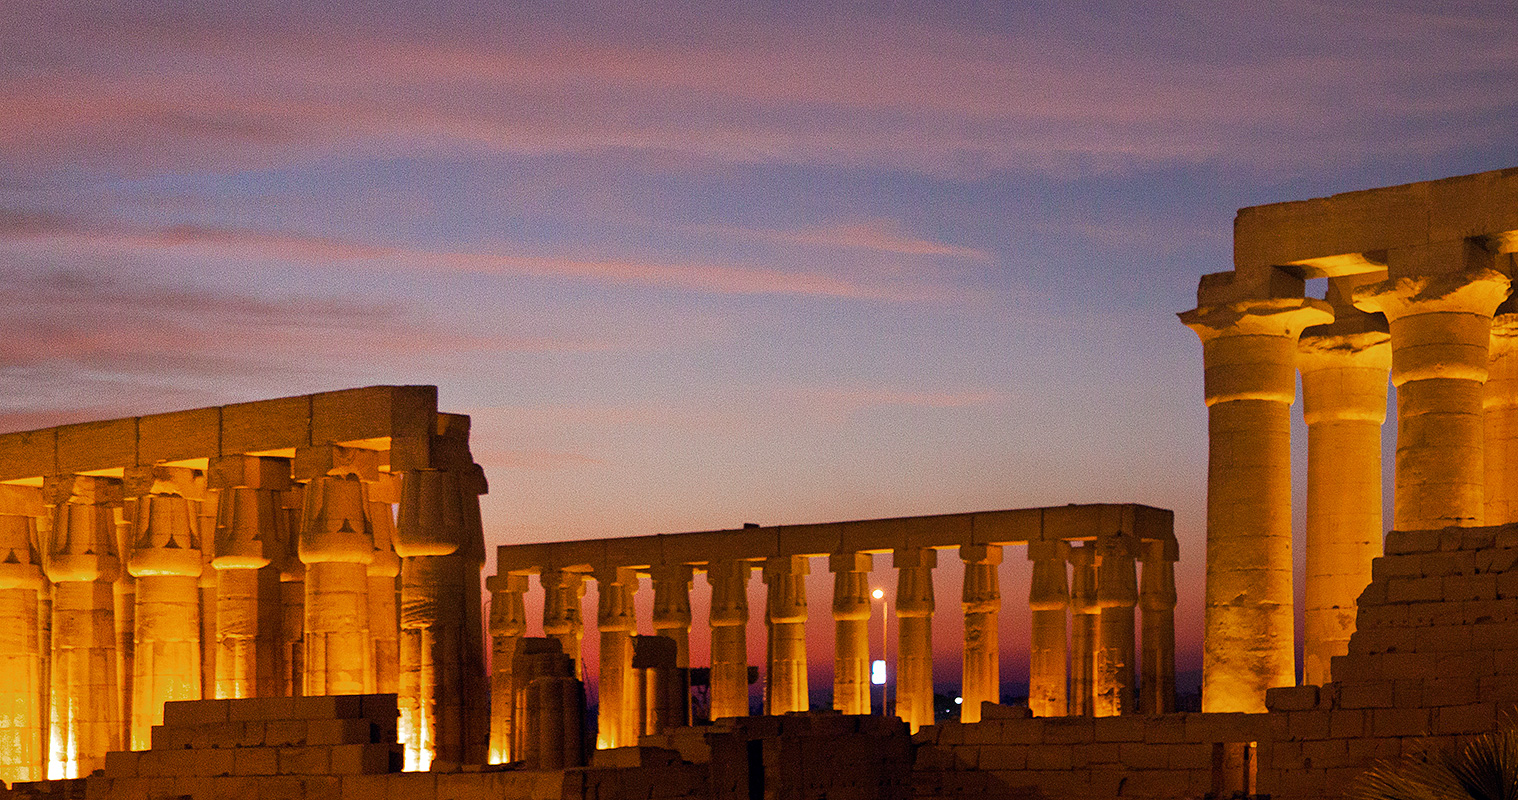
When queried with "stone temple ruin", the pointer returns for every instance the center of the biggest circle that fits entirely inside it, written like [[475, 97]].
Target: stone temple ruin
[[282, 599]]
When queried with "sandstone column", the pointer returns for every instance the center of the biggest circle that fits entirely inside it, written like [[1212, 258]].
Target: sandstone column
[[672, 615], [336, 545], [1249, 352], [729, 623], [166, 561], [22, 756], [1500, 418], [124, 592], [662, 687], [1344, 376], [616, 620], [982, 603], [1157, 614], [851, 625], [203, 512], [508, 622], [562, 592], [436, 542], [1084, 614], [1116, 596], [914, 635], [1440, 337], [384, 574], [785, 610], [1049, 599], [549, 705], [292, 596], [81, 562], [250, 535]]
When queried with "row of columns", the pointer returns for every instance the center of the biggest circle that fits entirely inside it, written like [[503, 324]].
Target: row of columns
[[1092, 673], [169, 583], [1432, 331]]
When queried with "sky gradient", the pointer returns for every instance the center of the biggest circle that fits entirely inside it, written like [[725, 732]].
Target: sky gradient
[[689, 266]]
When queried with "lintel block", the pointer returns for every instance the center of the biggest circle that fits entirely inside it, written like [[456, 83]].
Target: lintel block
[[266, 425], [29, 454], [178, 435], [97, 445]]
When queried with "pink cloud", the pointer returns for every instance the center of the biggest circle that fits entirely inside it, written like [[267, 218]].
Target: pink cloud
[[882, 236], [897, 92], [317, 250]]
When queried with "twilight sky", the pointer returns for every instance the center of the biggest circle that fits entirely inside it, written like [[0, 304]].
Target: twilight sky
[[689, 266]]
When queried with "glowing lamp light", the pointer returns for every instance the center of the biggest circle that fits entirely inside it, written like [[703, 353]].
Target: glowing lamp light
[[878, 594], [959, 701], [877, 672]]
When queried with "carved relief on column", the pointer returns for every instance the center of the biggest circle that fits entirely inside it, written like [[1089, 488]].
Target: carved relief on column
[[1249, 349], [336, 545], [166, 561], [982, 603], [508, 622], [729, 623], [914, 634], [23, 756], [785, 612], [251, 534], [1084, 614], [81, 560], [1116, 596], [1049, 602], [851, 625], [1157, 614], [617, 622], [562, 592]]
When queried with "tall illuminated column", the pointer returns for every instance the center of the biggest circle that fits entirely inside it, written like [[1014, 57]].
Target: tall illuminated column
[[384, 613], [508, 622], [435, 540], [85, 721], [292, 595], [250, 535], [616, 621], [1049, 599], [1157, 616], [982, 603], [1084, 614], [166, 561], [1500, 417], [851, 626], [1249, 351], [1441, 329], [729, 623], [672, 615], [1344, 377], [124, 591], [1116, 596], [204, 513], [914, 635], [336, 545], [562, 618], [785, 612], [22, 756]]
